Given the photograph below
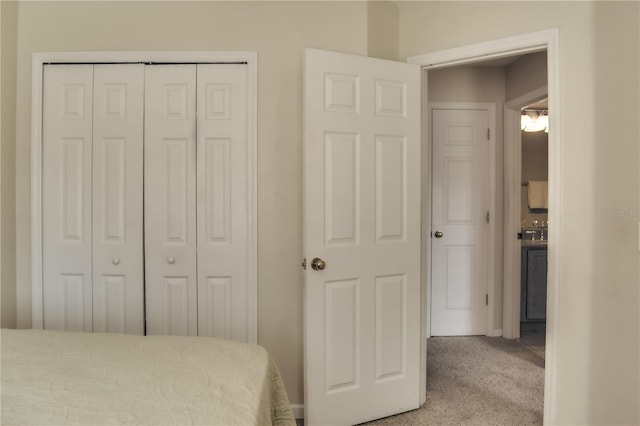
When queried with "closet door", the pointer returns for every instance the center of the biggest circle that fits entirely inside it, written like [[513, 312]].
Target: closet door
[[66, 199], [170, 199], [118, 278], [92, 198], [223, 204]]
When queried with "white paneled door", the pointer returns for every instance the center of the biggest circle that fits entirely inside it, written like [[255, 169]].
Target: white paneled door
[[170, 200], [147, 199], [196, 200], [460, 217], [118, 273], [66, 202], [362, 238], [92, 205], [223, 200]]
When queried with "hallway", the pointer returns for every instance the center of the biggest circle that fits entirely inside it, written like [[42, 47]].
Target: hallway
[[479, 380]]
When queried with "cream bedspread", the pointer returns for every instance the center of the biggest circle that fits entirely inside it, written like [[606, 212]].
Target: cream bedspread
[[51, 378]]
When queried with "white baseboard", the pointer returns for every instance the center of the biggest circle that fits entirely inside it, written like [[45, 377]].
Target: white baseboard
[[495, 333], [298, 410]]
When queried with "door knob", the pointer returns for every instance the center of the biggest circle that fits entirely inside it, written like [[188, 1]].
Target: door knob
[[171, 260], [115, 260], [438, 234], [318, 264]]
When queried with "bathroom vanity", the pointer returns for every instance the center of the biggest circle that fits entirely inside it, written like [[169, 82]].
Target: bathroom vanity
[[533, 300]]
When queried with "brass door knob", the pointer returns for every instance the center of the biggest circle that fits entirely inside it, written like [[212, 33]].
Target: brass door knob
[[318, 264], [438, 234]]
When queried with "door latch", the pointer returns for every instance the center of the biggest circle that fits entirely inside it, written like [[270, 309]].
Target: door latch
[[304, 264]]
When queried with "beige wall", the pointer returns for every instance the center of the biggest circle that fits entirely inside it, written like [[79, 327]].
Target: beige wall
[[279, 32], [598, 321], [479, 84], [382, 30], [598, 324], [526, 74], [8, 37]]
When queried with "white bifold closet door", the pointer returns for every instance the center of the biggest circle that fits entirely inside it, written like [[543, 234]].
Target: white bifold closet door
[[196, 200], [92, 198]]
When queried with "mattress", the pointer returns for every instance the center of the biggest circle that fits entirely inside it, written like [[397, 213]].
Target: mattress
[[51, 378]]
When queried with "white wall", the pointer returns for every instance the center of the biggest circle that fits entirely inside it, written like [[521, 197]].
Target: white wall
[[598, 377]]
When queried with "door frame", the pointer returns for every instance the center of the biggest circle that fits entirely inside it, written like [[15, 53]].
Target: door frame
[[512, 209], [548, 40], [427, 192], [39, 60]]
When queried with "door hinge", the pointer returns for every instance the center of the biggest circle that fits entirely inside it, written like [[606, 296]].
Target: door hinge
[[488, 134], [304, 264], [486, 299], [488, 216]]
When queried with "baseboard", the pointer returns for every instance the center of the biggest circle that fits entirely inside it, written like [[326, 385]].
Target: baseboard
[[495, 333], [298, 410]]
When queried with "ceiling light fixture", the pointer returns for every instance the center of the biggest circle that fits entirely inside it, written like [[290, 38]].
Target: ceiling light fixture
[[535, 120]]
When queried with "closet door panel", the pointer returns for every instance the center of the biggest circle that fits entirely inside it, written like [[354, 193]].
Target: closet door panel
[[222, 201], [170, 199], [118, 125], [66, 199]]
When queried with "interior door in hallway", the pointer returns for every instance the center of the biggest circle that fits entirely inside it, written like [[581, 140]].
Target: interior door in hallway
[[460, 216]]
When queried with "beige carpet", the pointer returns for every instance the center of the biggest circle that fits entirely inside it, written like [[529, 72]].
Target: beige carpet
[[479, 381]]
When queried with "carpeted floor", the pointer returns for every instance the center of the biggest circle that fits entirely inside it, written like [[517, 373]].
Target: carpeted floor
[[479, 381]]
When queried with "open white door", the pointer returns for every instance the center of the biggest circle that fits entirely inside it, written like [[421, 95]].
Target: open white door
[[362, 238]]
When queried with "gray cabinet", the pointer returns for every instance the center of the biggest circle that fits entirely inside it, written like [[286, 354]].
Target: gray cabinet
[[534, 284]]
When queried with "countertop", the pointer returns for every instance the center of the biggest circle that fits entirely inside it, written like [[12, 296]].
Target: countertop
[[534, 243]]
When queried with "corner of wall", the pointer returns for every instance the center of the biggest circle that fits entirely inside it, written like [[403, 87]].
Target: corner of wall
[[8, 75], [383, 29]]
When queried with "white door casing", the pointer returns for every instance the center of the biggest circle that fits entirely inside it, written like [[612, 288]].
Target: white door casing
[[66, 202], [118, 273], [461, 211], [362, 217], [170, 200]]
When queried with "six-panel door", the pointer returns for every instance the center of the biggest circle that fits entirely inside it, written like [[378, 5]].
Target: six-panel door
[[362, 217], [459, 211]]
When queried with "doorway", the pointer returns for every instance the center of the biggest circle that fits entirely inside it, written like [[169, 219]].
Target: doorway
[[528, 43], [463, 205], [534, 225]]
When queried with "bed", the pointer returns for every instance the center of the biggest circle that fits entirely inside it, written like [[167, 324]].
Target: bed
[[51, 378]]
